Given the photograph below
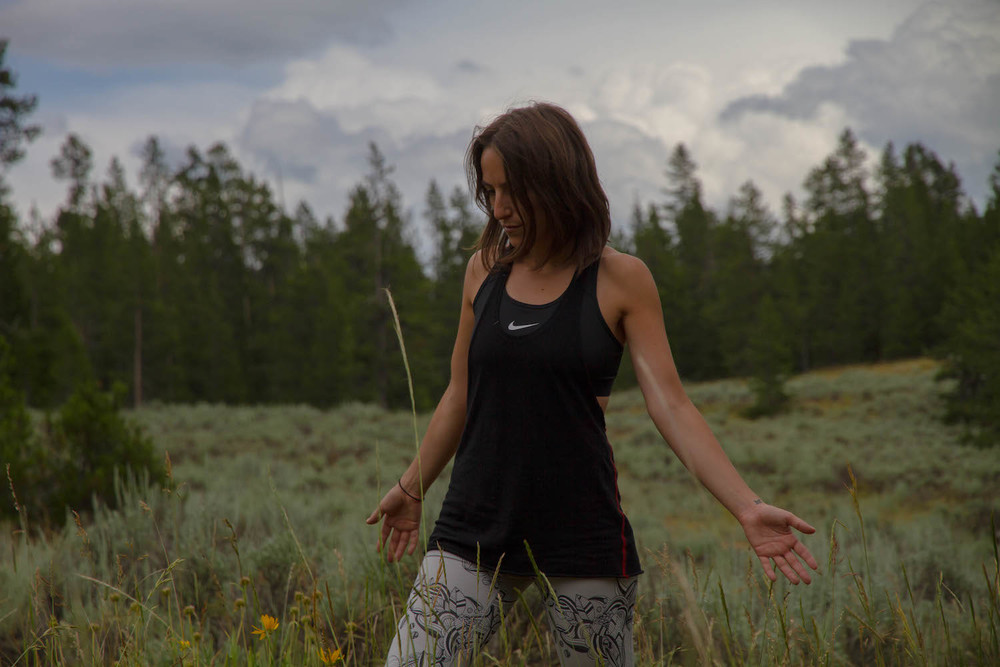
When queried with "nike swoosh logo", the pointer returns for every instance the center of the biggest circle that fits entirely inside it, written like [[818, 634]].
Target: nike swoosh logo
[[515, 327]]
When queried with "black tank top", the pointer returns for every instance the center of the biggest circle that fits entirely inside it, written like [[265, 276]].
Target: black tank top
[[602, 353], [534, 464]]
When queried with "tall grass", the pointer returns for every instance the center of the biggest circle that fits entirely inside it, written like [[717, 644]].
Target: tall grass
[[266, 518]]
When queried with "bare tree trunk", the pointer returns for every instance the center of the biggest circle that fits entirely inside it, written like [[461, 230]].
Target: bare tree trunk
[[137, 358], [381, 370]]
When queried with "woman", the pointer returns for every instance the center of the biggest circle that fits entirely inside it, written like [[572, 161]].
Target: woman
[[546, 309]]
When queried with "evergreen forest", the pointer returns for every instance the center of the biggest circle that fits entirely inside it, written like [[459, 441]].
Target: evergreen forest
[[195, 285]]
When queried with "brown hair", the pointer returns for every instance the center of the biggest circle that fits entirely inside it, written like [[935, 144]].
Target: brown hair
[[551, 173]]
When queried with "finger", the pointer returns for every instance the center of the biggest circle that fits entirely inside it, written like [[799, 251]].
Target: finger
[[384, 534], [375, 516], [768, 570], [786, 569], [806, 555], [392, 546], [399, 545], [799, 524], [800, 569], [413, 542]]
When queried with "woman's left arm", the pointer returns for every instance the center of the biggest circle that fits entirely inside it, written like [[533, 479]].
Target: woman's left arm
[[768, 528]]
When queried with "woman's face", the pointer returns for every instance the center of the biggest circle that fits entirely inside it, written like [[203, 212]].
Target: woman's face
[[499, 196]]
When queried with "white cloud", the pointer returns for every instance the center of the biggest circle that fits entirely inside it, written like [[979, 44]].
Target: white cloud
[[116, 124], [668, 102], [630, 163], [776, 153], [31, 180], [299, 142], [318, 122], [343, 78], [936, 81], [638, 81]]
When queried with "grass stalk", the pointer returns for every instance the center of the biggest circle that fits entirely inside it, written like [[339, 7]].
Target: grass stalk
[[727, 636], [939, 599], [291, 530], [862, 582], [398, 327]]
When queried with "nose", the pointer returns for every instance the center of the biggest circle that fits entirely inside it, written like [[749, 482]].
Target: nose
[[501, 206]]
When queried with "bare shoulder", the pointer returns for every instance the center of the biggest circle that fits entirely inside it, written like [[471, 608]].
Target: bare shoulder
[[625, 273], [624, 287]]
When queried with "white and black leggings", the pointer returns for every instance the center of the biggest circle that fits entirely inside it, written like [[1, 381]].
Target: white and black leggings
[[454, 609]]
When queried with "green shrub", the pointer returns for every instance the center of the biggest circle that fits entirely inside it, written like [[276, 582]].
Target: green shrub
[[973, 354], [20, 455], [769, 360], [84, 449], [91, 444]]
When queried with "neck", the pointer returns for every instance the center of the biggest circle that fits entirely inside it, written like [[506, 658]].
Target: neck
[[539, 260]]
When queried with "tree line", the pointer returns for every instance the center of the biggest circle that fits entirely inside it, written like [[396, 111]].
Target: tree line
[[197, 285]]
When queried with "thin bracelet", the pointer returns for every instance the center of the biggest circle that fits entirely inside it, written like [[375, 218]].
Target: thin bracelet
[[403, 489]]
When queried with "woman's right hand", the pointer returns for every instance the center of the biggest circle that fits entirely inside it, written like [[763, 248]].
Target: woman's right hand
[[401, 525]]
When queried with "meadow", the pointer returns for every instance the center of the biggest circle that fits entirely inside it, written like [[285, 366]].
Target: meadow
[[258, 553]]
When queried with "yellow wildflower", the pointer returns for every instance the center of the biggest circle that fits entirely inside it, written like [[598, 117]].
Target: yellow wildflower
[[185, 644], [268, 624], [330, 656]]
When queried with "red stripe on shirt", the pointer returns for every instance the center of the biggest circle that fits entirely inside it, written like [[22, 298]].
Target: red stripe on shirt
[[621, 512]]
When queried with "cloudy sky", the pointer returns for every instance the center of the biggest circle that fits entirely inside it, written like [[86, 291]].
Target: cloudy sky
[[757, 89]]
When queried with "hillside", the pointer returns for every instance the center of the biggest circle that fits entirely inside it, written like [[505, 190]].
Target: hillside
[[276, 497]]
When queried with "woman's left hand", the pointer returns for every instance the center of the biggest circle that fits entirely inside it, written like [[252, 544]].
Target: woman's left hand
[[769, 530]]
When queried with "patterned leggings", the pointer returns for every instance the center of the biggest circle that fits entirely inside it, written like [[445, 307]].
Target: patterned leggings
[[453, 610]]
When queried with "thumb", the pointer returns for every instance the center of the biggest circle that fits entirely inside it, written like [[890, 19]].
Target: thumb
[[796, 522], [375, 516]]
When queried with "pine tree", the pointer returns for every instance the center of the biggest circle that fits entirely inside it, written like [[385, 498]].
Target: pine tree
[[207, 282], [162, 373], [377, 255], [972, 321], [739, 245], [19, 451], [14, 133], [14, 301], [694, 339], [841, 260], [790, 282], [921, 226], [326, 311], [74, 164], [14, 110], [973, 356], [455, 233], [768, 360]]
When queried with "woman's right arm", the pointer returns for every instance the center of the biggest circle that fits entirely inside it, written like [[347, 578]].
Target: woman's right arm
[[400, 529]]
